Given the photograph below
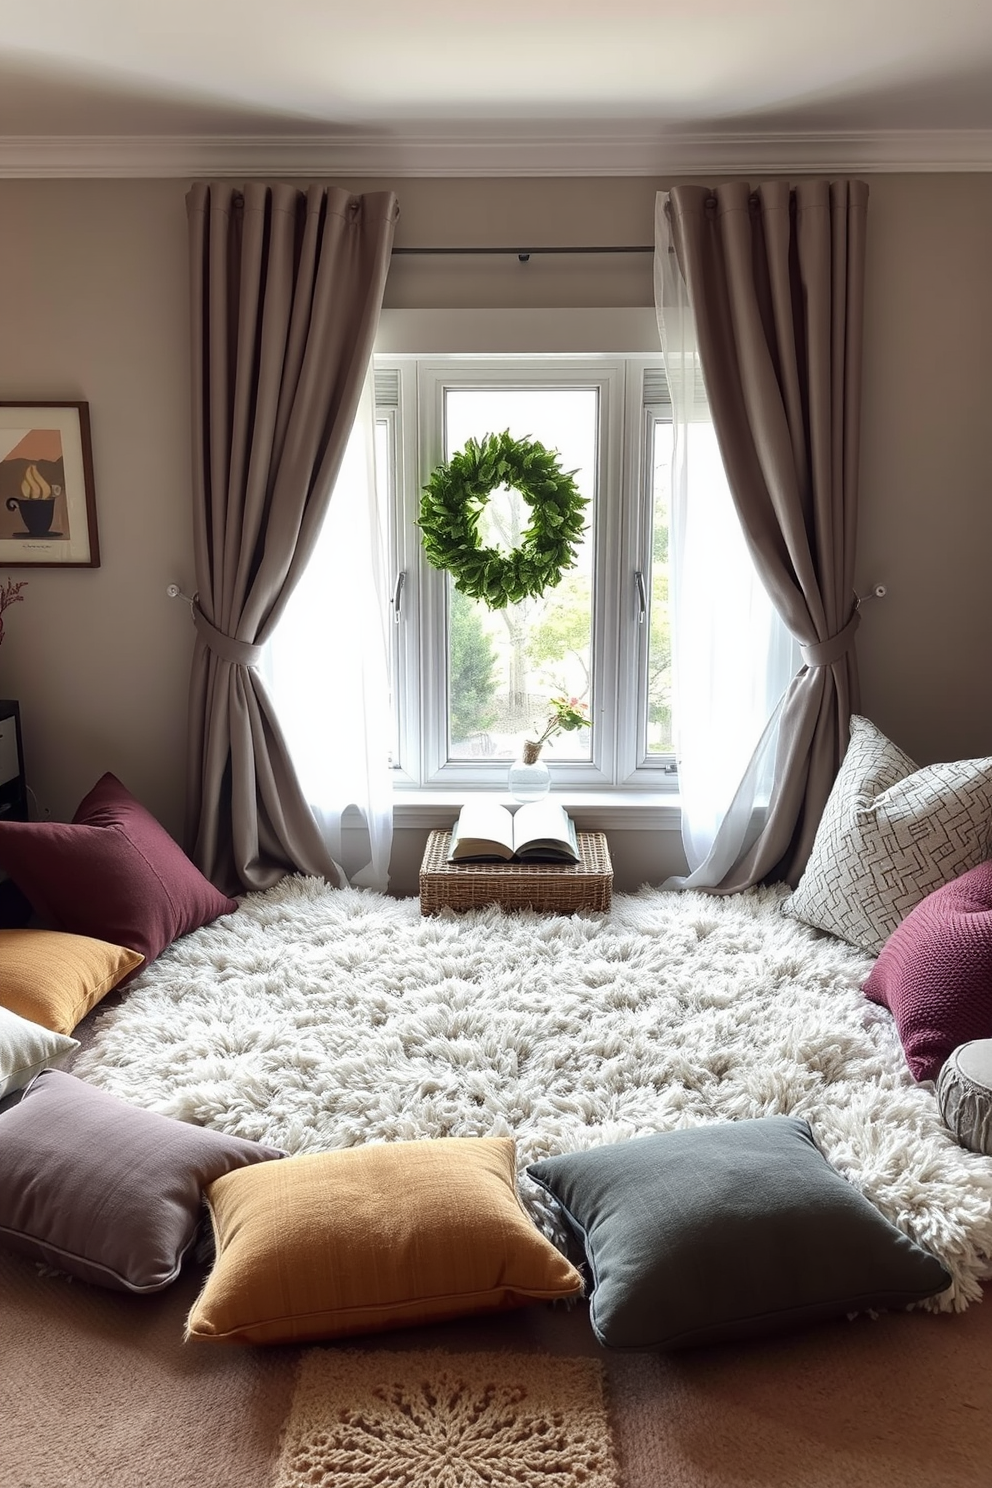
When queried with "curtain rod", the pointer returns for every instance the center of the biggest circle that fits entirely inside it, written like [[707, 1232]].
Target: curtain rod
[[523, 254]]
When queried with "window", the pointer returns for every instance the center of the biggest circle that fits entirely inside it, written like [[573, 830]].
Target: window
[[469, 684]]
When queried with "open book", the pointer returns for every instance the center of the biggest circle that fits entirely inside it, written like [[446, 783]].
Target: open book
[[540, 831]]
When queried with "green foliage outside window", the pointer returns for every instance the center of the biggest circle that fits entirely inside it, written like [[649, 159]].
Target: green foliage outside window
[[660, 645], [564, 627], [472, 669]]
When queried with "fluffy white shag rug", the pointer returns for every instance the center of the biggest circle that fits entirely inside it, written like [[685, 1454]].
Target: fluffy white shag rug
[[316, 1018]]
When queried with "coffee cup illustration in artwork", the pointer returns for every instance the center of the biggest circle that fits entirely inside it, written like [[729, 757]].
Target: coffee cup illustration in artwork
[[36, 502]]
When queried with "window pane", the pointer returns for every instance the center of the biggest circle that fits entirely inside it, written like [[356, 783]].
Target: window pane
[[659, 721], [505, 665]]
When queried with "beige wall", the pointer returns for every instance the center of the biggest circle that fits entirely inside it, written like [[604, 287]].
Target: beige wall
[[93, 306], [926, 470]]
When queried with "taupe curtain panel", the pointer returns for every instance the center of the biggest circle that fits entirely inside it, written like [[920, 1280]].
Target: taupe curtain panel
[[775, 279], [286, 289]]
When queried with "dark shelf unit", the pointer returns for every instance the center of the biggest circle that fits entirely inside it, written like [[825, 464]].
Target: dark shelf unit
[[14, 908], [13, 788]]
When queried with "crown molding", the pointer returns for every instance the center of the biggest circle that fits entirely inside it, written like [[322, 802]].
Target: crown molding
[[464, 154]]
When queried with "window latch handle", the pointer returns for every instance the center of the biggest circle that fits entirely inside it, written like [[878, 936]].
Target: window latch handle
[[642, 598], [397, 594]]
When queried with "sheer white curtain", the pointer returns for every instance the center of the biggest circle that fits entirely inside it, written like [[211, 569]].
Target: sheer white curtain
[[732, 657], [327, 667]]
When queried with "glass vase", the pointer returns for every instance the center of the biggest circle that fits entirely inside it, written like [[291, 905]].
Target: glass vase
[[529, 778]]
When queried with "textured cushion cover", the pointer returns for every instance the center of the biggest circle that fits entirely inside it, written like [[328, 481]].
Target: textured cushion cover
[[54, 978], [890, 834], [104, 1190], [373, 1237], [964, 1095], [112, 872], [720, 1232], [934, 973], [26, 1048]]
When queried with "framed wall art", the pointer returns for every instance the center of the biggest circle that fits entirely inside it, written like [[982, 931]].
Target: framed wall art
[[47, 507]]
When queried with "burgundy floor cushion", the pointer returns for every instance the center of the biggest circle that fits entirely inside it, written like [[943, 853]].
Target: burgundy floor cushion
[[113, 873], [934, 972]]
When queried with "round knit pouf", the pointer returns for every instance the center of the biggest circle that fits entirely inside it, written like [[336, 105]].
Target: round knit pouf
[[964, 1094]]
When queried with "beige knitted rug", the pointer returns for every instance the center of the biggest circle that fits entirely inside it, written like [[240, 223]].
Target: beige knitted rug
[[451, 1420]]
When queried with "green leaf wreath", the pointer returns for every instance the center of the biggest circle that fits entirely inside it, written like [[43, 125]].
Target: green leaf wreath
[[455, 497]]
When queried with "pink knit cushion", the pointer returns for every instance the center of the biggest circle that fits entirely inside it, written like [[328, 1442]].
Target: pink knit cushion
[[934, 973]]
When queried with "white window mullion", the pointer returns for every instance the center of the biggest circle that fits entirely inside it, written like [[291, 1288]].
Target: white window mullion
[[649, 413], [608, 589], [434, 590], [635, 558], [405, 555]]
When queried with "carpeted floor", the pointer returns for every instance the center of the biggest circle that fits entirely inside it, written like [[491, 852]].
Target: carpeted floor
[[98, 1390]]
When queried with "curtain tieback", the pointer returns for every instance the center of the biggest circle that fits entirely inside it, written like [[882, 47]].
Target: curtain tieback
[[825, 653], [240, 653]]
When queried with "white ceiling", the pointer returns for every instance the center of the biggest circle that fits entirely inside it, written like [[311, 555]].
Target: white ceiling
[[559, 86]]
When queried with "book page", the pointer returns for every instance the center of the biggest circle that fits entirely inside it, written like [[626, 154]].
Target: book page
[[547, 825], [483, 829], [543, 818]]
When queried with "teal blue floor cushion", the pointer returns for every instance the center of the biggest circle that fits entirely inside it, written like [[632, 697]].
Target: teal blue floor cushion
[[726, 1231]]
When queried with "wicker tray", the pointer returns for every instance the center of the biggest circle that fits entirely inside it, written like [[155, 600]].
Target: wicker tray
[[552, 888]]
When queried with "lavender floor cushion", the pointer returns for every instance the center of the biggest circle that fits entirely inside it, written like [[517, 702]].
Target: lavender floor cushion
[[103, 1190], [934, 972]]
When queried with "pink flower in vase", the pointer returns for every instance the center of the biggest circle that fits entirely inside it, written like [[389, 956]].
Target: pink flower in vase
[[567, 714]]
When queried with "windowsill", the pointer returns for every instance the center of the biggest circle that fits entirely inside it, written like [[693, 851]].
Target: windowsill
[[592, 811]]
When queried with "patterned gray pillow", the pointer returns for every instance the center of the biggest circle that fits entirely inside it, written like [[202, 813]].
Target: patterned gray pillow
[[891, 833]]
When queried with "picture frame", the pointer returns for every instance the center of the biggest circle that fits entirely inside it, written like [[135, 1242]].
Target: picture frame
[[47, 503]]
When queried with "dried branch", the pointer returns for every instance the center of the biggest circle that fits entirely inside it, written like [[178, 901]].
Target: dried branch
[[10, 593]]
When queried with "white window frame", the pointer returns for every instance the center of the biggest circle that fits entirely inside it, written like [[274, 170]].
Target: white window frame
[[622, 536]]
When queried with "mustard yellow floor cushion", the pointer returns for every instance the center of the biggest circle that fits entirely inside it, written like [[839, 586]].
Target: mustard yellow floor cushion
[[374, 1237], [54, 978]]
